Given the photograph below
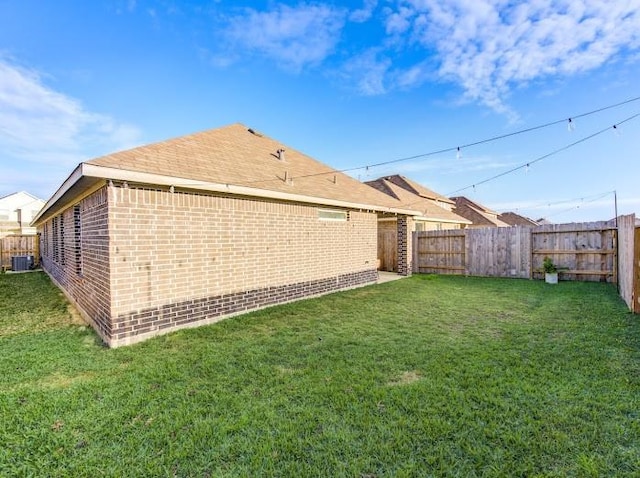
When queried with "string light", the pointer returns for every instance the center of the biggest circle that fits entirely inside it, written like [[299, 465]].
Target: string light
[[559, 150], [458, 153], [582, 202], [458, 148], [547, 204], [571, 125]]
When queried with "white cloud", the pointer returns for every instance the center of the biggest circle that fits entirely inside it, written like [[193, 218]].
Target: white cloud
[[294, 37], [491, 46], [363, 14], [398, 22], [369, 72], [40, 124]]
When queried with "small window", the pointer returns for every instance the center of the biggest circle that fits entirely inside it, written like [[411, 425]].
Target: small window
[[63, 255], [77, 238], [54, 239], [332, 215]]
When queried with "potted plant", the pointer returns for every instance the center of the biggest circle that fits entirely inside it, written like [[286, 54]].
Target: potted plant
[[550, 271]]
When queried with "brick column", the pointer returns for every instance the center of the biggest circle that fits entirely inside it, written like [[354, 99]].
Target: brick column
[[405, 252]]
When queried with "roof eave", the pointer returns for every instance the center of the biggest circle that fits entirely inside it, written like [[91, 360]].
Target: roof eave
[[107, 173], [449, 221], [73, 178]]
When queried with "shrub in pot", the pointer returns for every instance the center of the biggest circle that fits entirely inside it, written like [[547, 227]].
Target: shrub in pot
[[550, 271]]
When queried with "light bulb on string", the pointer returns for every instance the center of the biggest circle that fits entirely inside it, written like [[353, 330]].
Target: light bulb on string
[[458, 153], [616, 130], [526, 168], [571, 126]]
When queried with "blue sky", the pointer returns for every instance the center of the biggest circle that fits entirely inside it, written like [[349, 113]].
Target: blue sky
[[349, 83]]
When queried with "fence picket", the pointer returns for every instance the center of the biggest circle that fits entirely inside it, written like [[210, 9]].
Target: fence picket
[[585, 252], [18, 245]]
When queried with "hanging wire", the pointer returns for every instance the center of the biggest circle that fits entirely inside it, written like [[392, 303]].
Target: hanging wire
[[459, 147], [545, 204], [578, 206], [529, 163]]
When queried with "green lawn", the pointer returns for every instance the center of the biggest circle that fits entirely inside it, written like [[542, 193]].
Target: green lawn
[[427, 376]]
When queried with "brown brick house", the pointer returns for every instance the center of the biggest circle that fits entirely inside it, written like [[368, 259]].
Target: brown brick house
[[435, 214], [190, 230], [479, 215], [515, 219]]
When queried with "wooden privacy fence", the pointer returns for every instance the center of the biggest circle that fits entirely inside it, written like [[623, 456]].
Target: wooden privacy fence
[[629, 261], [25, 245], [584, 252]]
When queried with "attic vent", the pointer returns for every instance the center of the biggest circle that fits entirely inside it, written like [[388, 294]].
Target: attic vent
[[254, 132], [280, 154]]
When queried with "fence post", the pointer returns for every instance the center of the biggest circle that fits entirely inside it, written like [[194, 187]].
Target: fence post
[[415, 244], [635, 296]]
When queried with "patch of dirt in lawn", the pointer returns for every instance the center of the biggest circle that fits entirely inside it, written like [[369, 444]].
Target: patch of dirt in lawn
[[60, 380], [286, 370], [405, 378], [361, 293], [76, 318]]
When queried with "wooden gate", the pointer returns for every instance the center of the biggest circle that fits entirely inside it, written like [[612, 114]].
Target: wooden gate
[[440, 252], [388, 250]]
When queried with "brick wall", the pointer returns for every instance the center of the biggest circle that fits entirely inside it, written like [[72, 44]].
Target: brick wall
[[405, 252], [181, 258], [74, 251], [172, 260]]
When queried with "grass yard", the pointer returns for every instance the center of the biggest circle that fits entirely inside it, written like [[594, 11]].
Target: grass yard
[[427, 376]]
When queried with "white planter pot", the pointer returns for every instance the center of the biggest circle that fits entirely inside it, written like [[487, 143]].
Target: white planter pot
[[551, 278]]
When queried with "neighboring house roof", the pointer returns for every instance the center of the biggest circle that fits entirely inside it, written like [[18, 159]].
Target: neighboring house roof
[[407, 192], [478, 214], [23, 196], [234, 160], [20, 200], [514, 219], [416, 188], [17, 209]]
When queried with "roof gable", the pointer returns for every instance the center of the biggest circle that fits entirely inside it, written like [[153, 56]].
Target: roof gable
[[514, 219], [240, 156], [477, 213], [20, 200], [414, 200], [417, 188], [231, 160], [20, 196], [459, 200]]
